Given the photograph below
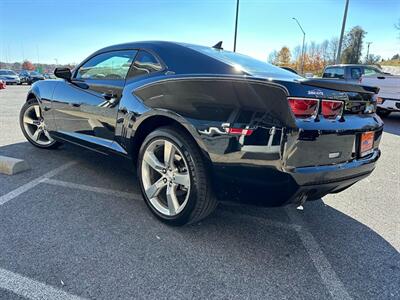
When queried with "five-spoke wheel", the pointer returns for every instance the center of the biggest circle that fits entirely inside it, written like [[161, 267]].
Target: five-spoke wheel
[[165, 176], [34, 127], [173, 177]]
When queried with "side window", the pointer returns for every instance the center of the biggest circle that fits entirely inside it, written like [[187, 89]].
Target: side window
[[334, 72], [355, 73], [371, 71], [145, 63], [107, 66]]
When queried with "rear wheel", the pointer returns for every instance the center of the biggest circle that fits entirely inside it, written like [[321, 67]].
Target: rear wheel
[[33, 126], [173, 177]]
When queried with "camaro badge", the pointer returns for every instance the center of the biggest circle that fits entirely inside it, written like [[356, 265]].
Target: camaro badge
[[316, 92]]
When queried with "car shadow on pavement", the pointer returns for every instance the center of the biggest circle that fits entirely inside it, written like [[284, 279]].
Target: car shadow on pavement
[[392, 123], [108, 249]]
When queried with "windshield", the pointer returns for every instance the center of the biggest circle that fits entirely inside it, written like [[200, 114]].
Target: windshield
[[246, 63], [7, 72], [34, 73]]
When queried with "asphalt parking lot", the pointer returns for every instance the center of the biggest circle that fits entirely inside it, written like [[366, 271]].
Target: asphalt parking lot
[[75, 227]]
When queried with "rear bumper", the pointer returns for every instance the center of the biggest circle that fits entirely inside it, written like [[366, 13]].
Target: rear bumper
[[390, 104], [315, 182], [318, 175], [264, 185]]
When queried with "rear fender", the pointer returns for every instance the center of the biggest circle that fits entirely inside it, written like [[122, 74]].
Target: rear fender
[[206, 105]]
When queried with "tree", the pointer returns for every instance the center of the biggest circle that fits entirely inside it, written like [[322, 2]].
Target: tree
[[372, 59], [333, 49], [353, 46], [273, 57], [284, 56], [396, 56], [27, 65], [324, 51]]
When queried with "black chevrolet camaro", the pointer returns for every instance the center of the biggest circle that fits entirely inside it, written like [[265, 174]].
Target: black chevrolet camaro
[[187, 115]]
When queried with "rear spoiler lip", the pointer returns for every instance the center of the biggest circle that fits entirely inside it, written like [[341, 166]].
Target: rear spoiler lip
[[340, 86]]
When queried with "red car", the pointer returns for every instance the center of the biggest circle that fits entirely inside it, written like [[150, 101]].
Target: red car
[[2, 84]]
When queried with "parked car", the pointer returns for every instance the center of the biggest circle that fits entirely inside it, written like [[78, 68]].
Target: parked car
[[187, 115], [49, 76], [350, 72], [2, 84], [9, 76], [30, 77], [389, 91]]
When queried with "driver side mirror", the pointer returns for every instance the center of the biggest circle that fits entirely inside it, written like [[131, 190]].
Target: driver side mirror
[[63, 73]]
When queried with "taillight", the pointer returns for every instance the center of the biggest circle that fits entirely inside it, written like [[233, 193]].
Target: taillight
[[238, 131], [331, 109], [303, 108]]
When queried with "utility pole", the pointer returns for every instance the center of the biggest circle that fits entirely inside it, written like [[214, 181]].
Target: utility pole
[[368, 43], [302, 47], [236, 25], [342, 32]]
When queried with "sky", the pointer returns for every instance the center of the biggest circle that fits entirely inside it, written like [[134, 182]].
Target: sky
[[67, 31]]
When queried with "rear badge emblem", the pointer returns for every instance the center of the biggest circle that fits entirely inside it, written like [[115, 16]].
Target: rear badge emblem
[[334, 154], [316, 92]]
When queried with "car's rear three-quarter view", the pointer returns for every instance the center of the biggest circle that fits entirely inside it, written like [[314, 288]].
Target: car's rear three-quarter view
[[188, 116]]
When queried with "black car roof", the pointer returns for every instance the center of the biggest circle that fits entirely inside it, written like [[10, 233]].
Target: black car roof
[[178, 57]]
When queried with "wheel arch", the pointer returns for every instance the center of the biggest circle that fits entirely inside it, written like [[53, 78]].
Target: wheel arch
[[154, 121]]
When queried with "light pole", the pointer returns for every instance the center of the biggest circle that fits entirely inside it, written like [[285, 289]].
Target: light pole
[[302, 47], [342, 32], [236, 25]]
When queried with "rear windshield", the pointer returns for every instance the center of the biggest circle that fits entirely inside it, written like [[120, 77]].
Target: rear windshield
[[334, 72], [246, 63]]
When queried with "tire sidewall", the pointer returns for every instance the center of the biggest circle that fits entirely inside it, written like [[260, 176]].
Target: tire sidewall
[[184, 216], [21, 124]]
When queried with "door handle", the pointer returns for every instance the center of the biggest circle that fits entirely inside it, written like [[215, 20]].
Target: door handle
[[109, 96]]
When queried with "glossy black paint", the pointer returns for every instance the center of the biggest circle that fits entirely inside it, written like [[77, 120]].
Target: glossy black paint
[[203, 95]]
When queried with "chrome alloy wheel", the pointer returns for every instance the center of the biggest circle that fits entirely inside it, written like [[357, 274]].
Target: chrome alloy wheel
[[35, 127], [165, 177]]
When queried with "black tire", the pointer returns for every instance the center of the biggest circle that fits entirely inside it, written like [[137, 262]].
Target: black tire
[[53, 145], [383, 112], [201, 200]]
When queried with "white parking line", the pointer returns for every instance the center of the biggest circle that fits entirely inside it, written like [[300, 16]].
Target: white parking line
[[91, 188], [36, 290], [31, 289], [22, 189], [321, 263]]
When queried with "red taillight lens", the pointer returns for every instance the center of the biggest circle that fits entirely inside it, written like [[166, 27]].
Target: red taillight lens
[[331, 109], [239, 131], [303, 108]]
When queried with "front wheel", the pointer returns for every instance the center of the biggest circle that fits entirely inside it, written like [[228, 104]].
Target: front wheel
[[173, 177], [33, 126]]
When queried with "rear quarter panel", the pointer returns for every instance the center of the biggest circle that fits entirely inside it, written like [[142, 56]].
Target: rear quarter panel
[[206, 104]]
